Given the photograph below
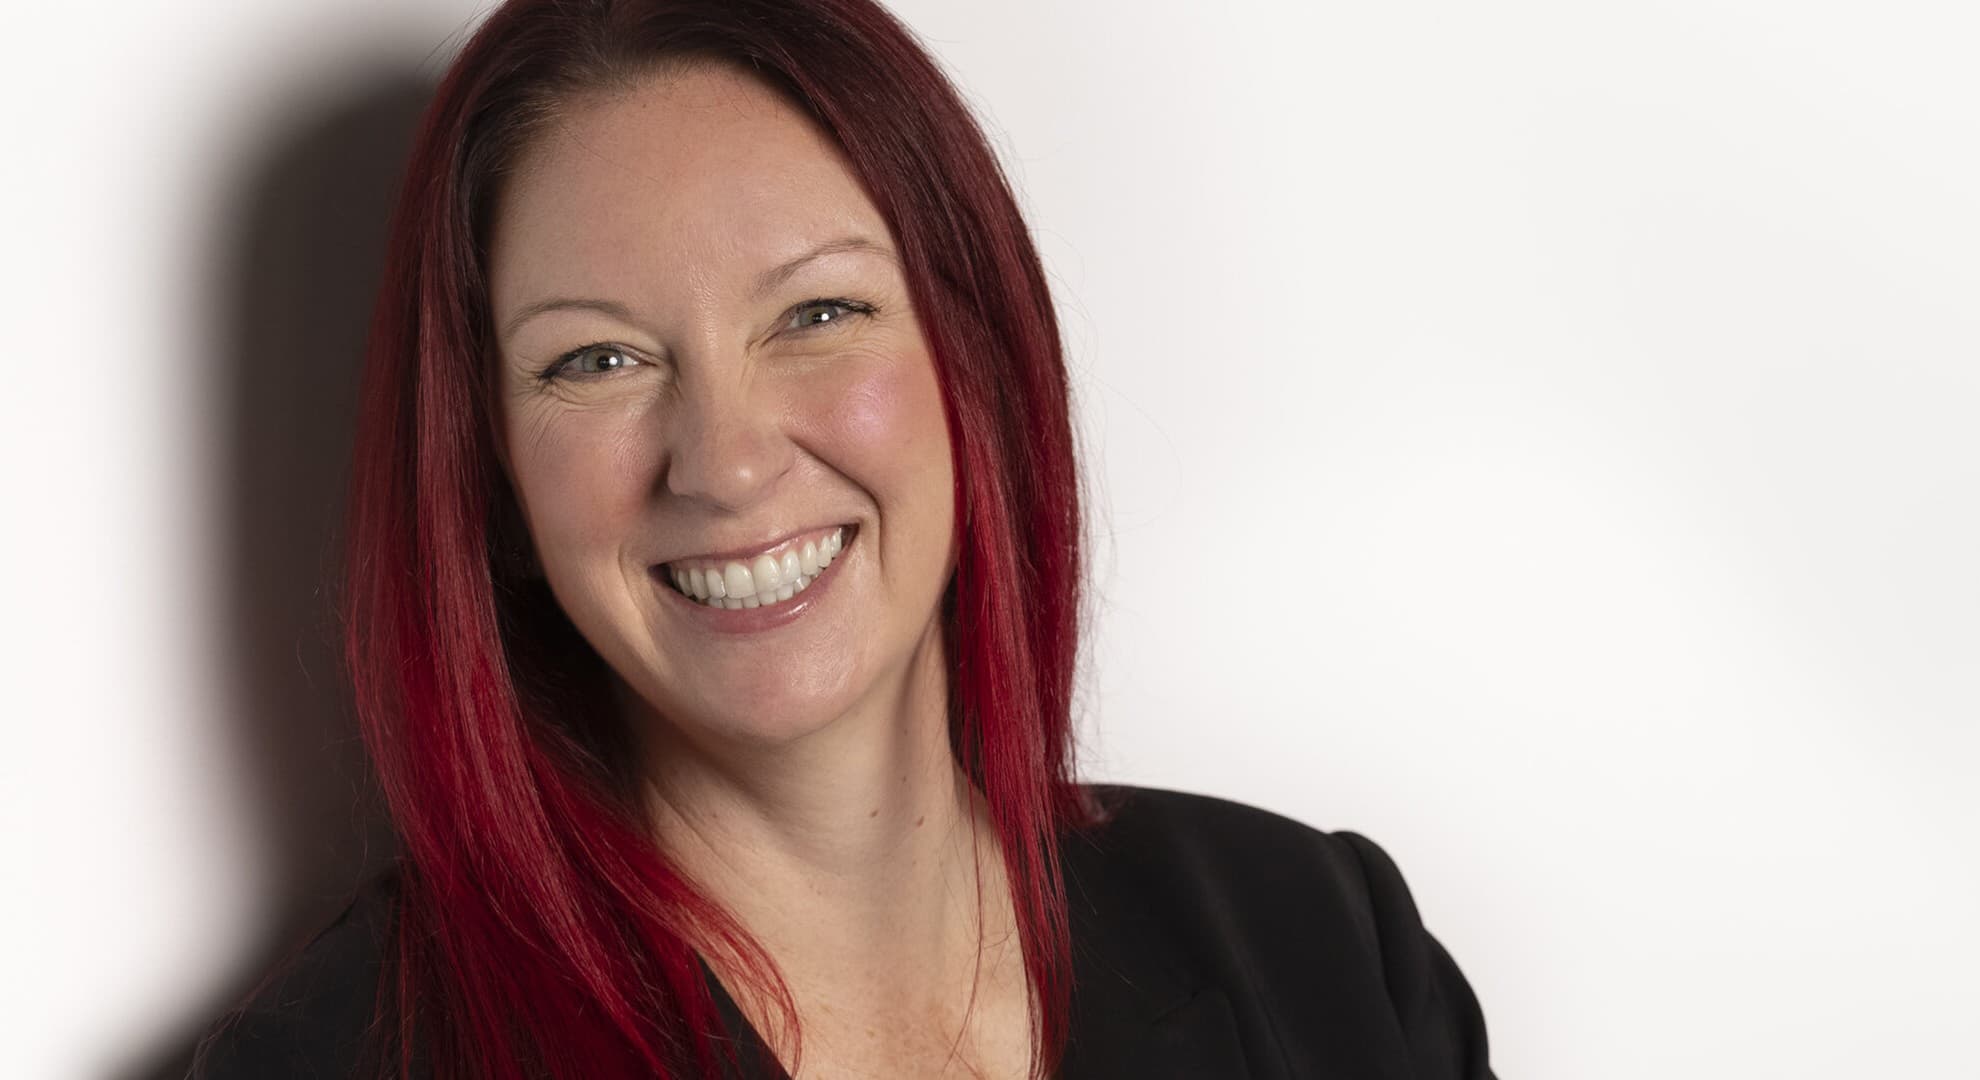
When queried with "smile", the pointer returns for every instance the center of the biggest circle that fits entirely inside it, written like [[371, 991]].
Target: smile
[[764, 580]]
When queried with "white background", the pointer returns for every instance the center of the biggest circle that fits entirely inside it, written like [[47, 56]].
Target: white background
[[1541, 437]]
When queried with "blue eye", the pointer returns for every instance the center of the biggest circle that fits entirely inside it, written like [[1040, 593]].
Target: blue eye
[[601, 359], [803, 316], [592, 361]]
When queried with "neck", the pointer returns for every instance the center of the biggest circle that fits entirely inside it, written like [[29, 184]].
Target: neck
[[854, 855]]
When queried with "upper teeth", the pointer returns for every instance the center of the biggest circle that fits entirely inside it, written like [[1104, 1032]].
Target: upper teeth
[[767, 579]]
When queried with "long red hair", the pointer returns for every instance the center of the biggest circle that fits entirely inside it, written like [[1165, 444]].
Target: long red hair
[[541, 932]]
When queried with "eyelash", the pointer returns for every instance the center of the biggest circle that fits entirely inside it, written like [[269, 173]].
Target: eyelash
[[557, 366]]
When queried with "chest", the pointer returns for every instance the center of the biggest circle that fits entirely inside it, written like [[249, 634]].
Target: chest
[[986, 1039], [908, 1054]]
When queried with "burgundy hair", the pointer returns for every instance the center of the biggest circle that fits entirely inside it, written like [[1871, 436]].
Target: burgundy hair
[[541, 932]]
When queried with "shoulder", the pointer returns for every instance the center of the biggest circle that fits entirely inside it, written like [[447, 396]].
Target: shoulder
[[1272, 865], [1225, 846], [313, 1014], [1310, 922]]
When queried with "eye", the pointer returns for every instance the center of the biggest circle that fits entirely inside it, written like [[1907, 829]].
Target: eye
[[592, 361], [815, 313]]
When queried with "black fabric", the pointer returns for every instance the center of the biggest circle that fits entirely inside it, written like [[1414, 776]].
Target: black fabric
[[1211, 941]]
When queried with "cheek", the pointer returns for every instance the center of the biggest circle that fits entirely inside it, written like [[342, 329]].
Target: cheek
[[895, 403], [888, 405], [580, 477], [885, 423]]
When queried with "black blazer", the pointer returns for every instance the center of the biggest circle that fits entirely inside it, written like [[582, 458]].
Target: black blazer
[[1211, 941]]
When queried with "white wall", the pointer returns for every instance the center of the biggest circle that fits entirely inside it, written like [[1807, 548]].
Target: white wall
[[1594, 387]]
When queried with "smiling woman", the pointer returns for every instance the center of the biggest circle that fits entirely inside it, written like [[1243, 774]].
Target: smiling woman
[[713, 609], [695, 413]]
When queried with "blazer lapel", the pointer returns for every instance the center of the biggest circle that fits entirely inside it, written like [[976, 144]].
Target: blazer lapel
[[1142, 1007]]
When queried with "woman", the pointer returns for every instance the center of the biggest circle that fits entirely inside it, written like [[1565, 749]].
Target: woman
[[713, 605]]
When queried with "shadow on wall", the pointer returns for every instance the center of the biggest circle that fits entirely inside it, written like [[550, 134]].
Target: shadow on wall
[[301, 259]]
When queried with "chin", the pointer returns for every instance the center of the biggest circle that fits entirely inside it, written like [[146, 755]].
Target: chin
[[772, 722], [763, 714]]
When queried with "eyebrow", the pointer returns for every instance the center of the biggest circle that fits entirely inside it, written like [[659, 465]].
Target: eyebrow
[[784, 271], [766, 281]]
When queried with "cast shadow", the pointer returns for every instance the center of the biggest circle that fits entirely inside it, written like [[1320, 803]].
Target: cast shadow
[[301, 257]]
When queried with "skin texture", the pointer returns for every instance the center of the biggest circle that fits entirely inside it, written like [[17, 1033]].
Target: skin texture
[[801, 774]]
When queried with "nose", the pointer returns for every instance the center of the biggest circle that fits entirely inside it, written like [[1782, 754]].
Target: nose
[[726, 446]]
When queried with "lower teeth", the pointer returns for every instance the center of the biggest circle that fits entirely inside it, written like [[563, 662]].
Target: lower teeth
[[756, 599]]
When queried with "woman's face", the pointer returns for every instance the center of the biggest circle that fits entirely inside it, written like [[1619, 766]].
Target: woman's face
[[710, 376]]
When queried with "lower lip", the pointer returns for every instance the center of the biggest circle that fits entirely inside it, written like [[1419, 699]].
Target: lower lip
[[755, 620]]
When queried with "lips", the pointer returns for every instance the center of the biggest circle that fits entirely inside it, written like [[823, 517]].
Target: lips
[[747, 555]]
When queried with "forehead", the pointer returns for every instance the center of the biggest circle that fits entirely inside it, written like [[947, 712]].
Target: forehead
[[702, 177]]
